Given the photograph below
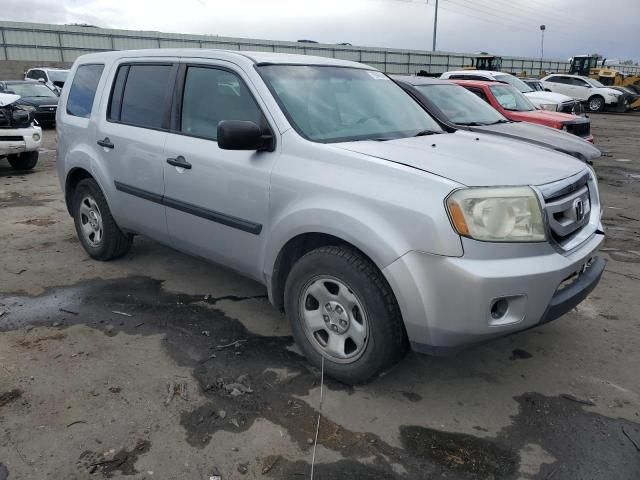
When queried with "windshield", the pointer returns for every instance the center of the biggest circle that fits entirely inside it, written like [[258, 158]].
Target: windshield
[[58, 75], [511, 99], [460, 105], [334, 104], [593, 83], [515, 81], [535, 85], [31, 90]]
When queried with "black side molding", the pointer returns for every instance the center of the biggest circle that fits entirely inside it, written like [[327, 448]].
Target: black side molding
[[217, 217]]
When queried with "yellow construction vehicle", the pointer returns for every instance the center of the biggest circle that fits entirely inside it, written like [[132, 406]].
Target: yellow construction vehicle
[[485, 62], [593, 66]]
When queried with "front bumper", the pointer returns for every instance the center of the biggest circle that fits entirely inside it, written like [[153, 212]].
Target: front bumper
[[446, 302], [17, 140]]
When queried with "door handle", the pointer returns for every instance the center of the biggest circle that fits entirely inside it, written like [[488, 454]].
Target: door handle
[[179, 161], [106, 143]]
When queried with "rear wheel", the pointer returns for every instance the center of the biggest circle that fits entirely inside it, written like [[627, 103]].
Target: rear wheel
[[97, 230], [341, 308], [596, 103], [24, 160]]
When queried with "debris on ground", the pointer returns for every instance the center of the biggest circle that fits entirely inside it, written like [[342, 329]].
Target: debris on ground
[[568, 396], [77, 422], [206, 333], [174, 389], [633, 442], [232, 344], [7, 397], [269, 462], [2, 312], [115, 389], [64, 310], [243, 468], [124, 314]]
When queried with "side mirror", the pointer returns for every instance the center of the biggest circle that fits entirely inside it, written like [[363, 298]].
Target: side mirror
[[547, 89], [242, 135], [42, 80]]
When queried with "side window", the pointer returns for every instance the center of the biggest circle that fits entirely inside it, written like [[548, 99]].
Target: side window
[[212, 95], [37, 75], [83, 90], [458, 77], [577, 82], [139, 95], [554, 79], [479, 93]]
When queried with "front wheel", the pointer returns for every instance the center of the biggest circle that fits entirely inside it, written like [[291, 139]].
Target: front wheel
[[24, 160], [341, 308], [596, 103], [97, 230]]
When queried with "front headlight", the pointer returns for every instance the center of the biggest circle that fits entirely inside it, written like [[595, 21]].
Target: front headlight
[[505, 214], [549, 106]]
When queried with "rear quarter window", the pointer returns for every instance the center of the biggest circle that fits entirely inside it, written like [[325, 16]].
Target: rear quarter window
[[83, 90]]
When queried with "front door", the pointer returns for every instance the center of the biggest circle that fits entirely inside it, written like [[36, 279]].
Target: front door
[[132, 138], [217, 200], [579, 89]]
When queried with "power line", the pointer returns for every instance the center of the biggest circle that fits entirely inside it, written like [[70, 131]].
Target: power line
[[478, 9]]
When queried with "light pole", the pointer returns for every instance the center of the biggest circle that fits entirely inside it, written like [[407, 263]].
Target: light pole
[[542, 29], [435, 26]]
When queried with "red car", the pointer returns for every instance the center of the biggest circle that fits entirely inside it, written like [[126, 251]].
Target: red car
[[515, 106]]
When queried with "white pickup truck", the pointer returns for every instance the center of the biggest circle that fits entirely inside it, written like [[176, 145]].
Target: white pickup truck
[[20, 138]]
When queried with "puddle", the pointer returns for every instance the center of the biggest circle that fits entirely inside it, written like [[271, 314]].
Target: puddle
[[241, 376]]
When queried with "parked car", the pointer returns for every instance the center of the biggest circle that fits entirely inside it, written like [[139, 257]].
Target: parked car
[[594, 93], [54, 78], [19, 137], [39, 97], [455, 106], [371, 226], [535, 84], [515, 106], [551, 101], [631, 97]]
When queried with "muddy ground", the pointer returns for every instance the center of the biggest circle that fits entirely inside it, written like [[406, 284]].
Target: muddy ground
[[160, 366]]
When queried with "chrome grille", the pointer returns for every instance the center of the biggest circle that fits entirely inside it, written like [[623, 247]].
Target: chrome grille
[[572, 209], [582, 129]]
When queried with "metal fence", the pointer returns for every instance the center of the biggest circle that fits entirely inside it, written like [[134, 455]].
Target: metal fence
[[63, 43]]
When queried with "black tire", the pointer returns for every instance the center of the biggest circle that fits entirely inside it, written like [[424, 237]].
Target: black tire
[[114, 242], [387, 340], [596, 103], [24, 160]]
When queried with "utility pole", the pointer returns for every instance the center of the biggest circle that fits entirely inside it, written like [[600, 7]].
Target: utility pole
[[435, 26]]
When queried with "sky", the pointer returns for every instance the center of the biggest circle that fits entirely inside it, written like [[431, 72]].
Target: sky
[[503, 27]]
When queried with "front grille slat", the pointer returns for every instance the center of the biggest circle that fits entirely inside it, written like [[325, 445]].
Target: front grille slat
[[569, 207], [582, 129]]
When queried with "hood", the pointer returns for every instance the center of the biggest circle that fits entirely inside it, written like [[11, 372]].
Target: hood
[[606, 90], [38, 101], [544, 137], [542, 98], [7, 99], [544, 116], [473, 159]]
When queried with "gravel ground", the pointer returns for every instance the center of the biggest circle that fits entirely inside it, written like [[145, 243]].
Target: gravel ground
[[161, 366]]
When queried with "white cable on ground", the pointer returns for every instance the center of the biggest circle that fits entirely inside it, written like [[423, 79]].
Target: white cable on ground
[[315, 442]]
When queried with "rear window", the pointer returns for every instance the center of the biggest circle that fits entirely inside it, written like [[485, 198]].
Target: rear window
[[139, 95], [83, 90]]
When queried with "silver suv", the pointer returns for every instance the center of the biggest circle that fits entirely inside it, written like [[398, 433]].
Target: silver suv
[[371, 227]]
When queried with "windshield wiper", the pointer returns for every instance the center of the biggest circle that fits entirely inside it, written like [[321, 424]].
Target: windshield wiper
[[502, 120], [423, 133], [471, 124]]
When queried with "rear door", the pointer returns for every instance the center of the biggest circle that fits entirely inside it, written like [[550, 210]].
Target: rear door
[[217, 207], [131, 136], [561, 84]]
